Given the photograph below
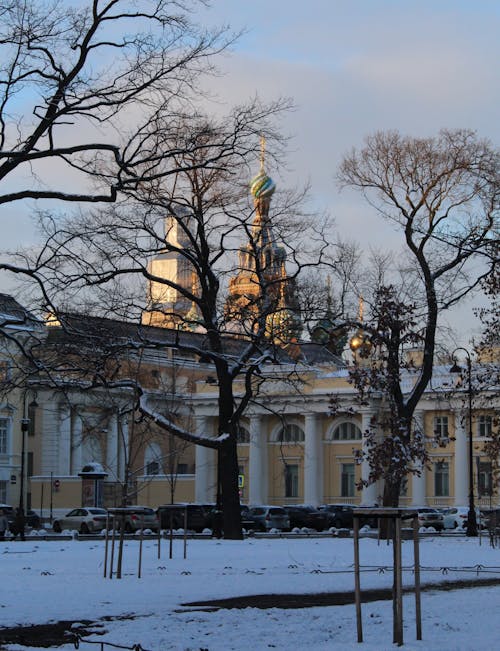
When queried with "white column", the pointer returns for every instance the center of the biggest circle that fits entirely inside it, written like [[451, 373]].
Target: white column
[[50, 456], [205, 459], [76, 442], [461, 462], [313, 471], [418, 482], [257, 465], [123, 451], [369, 493], [112, 447], [64, 452]]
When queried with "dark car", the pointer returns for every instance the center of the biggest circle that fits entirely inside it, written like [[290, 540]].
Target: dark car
[[33, 520], [199, 516], [310, 517], [339, 516], [215, 522], [489, 519]]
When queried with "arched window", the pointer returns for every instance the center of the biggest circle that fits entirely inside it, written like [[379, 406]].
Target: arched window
[[152, 459], [291, 433], [243, 435], [347, 432]]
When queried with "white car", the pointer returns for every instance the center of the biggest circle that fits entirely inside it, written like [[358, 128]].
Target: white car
[[457, 517], [83, 520]]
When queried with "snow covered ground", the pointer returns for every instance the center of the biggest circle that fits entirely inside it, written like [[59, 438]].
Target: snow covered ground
[[43, 581]]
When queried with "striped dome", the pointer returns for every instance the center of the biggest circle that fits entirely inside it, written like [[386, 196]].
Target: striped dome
[[262, 186]]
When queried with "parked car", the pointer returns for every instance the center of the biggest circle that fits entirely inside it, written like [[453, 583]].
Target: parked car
[[199, 516], [83, 520], [31, 519], [217, 526], [135, 518], [9, 513], [490, 519], [339, 515], [428, 517], [457, 516], [266, 518], [302, 515]]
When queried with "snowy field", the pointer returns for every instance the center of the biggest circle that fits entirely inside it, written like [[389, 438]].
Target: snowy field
[[44, 581]]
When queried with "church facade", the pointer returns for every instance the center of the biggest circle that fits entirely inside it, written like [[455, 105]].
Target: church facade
[[89, 447]]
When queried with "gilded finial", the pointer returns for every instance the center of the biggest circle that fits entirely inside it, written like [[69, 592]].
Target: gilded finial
[[361, 308], [262, 152]]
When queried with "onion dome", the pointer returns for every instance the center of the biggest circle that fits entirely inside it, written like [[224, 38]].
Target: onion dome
[[360, 343], [262, 186], [283, 326]]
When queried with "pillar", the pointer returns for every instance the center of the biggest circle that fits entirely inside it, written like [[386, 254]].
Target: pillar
[[461, 487], [64, 452], [369, 495], [313, 475], [257, 465], [123, 451], [418, 483], [112, 447], [50, 448], [76, 442], [206, 462]]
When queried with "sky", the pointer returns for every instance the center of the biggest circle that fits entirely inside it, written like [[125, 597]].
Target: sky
[[352, 68], [49, 581]]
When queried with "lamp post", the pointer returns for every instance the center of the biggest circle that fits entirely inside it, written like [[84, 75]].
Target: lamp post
[[471, 517], [25, 421]]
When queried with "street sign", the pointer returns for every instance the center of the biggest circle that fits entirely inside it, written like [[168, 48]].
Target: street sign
[[241, 481]]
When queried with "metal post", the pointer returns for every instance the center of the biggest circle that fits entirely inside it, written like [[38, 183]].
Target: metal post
[[357, 582], [399, 580], [185, 530], [416, 557]]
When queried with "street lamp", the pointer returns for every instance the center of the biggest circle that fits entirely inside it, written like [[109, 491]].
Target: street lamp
[[25, 421], [471, 518]]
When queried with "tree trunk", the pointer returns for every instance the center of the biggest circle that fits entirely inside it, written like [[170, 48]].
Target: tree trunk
[[228, 489]]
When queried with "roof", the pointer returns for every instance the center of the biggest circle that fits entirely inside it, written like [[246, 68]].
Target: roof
[[13, 314], [77, 330]]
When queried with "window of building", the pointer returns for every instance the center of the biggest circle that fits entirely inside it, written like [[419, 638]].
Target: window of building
[[243, 435], [485, 478], [3, 492], [30, 464], [291, 433], [484, 426], [4, 436], [441, 479], [291, 480], [152, 459], [347, 480], [441, 427], [347, 432], [32, 420], [182, 469]]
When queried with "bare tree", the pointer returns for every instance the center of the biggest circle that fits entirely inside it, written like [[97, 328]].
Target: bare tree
[[186, 239], [442, 193], [83, 87]]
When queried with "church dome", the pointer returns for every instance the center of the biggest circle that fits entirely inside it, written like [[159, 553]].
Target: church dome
[[262, 186], [283, 326]]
